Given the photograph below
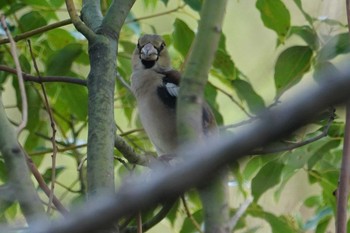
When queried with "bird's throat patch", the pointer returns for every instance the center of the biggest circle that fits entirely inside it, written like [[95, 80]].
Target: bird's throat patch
[[148, 64]]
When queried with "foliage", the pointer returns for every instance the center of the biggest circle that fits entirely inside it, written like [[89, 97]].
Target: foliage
[[63, 52]]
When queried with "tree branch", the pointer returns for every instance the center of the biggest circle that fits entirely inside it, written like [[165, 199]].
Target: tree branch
[[91, 14], [344, 179], [19, 178], [53, 127], [78, 24], [37, 31], [129, 153], [23, 123], [28, 77], [115, 17], [189, 109], [203, 160]]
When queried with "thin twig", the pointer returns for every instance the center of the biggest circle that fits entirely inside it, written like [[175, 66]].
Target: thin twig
[[78, 23], [232, 99], [28, 77], [37, 31], [241, 210], [292, 146], [139, 222], [22, 89], [53, 127], [131, 132], [156, 15], [44, 186], [189, 215], [343, 187], [71, 147]]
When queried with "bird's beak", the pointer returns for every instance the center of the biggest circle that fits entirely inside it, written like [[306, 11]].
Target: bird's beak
[[149, 52]]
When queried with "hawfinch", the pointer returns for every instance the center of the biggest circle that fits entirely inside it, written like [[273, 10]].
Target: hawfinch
[[155, 85]]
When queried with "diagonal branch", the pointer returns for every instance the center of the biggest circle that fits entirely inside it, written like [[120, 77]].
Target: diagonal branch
[[78, 23], [115, 17], [23, 123], [94, 16], [203, 160], [53, 127], [28, 77], [36, 31]]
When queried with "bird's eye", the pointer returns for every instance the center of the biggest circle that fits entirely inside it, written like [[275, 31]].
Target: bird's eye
[[139, 46], [162, 46]]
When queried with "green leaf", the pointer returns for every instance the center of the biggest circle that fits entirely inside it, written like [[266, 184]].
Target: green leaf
[[306, 15], [172, 215], [275, 16], [182, 36], [59, 38], [40, 3], [246, 93], [252, 167], [323, 225], [188, 226], [278, 224], [48, 173], [25, 64], [194, 4], [61, 61], [165, 2], [266, 178], [210, 93], [150, 3], [319, 154], [32, 20], [224, 64], [74, 103], [3, 172], [338, 44], [291, 65], [307, 34], [57, 3]]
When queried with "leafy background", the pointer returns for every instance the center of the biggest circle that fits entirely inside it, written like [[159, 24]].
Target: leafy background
[[267, 49]]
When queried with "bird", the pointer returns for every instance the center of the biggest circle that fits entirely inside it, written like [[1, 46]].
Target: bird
[[155, 85]]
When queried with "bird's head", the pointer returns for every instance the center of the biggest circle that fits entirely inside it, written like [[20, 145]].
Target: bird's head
[[151, 53]]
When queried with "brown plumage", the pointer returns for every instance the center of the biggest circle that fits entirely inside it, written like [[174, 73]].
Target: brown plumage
[[155, 85]]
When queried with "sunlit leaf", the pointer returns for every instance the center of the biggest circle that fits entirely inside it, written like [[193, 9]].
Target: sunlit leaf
[[291, 65], [266, 178], [183, 36], [275, 16], [252, 167]]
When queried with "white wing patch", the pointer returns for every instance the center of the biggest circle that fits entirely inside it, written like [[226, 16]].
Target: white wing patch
[[172, 89]]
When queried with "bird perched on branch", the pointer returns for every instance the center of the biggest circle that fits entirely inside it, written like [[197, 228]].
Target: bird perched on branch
[[155, 85]]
